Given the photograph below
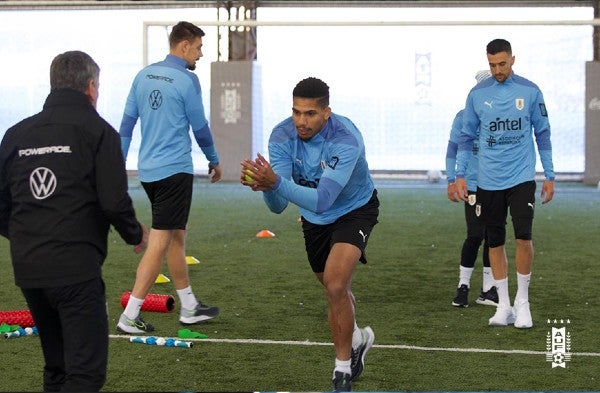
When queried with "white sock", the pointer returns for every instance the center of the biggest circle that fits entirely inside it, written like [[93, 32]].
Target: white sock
[[522, 287], [488, 279], [465, 276], [187, 298], [503, 297], [134, 305], [342, 366], [357, 336]]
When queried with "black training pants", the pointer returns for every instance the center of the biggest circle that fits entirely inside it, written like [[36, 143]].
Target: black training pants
[[72, 322]]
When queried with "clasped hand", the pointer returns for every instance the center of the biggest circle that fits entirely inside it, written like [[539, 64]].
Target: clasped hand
[[257, 174]]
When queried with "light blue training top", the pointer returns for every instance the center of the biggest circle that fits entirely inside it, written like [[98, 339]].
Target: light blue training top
[[502, 116], [168, 99], [326, 176], [451, 151]]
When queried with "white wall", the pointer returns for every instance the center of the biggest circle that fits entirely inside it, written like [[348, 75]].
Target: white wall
[[371, 70]]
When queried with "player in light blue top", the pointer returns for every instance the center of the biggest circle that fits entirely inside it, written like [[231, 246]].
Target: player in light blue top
[[501, 115], [168, 100], [326, 176], [475, 229], [505, 113], [318, 163], [451, 153]]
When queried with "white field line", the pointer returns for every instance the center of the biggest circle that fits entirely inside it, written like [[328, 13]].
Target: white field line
[[383, 346]]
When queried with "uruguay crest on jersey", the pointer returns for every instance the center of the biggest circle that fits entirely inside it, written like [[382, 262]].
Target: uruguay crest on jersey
[[520, 103]]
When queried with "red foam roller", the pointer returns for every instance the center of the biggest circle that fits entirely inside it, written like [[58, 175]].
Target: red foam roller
[[153, 302], [22, 318]]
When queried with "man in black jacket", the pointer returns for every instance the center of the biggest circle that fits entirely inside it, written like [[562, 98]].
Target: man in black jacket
[[62, 184]]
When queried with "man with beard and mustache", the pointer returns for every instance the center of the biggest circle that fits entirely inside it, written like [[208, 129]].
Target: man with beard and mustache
[[168, 99], [508, 117], [318, 163]]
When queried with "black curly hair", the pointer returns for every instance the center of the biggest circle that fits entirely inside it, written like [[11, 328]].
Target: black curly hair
[[313, 88]]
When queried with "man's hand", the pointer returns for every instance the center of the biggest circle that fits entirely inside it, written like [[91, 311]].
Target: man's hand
[[547, 191], [214, 173], [461, 189], [452, 193], [138, 248], [262, 174]]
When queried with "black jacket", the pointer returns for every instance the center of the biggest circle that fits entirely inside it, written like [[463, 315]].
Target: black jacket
[[62, 184]]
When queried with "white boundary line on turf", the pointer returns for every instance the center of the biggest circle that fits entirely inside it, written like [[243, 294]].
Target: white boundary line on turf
[[384, 346]]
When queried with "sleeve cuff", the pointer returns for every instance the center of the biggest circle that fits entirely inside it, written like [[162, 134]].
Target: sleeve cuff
[[277, 183]]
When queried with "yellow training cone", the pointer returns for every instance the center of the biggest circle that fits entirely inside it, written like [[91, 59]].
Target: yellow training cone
[[191, 260], [161, 279]]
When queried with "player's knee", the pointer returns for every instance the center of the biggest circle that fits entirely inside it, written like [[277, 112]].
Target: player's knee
[[335, 289], [496, 236], [523, 228]]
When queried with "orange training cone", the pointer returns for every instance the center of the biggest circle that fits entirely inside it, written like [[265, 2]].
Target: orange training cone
[[265, 233]]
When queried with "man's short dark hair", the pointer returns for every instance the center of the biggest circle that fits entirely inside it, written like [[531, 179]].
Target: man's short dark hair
[[184, 31], [498, 45], [312, 88], [73, 70]]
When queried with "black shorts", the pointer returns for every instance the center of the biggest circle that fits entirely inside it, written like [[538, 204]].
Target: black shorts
[[171, 200], [519, 200], [353, 227]]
